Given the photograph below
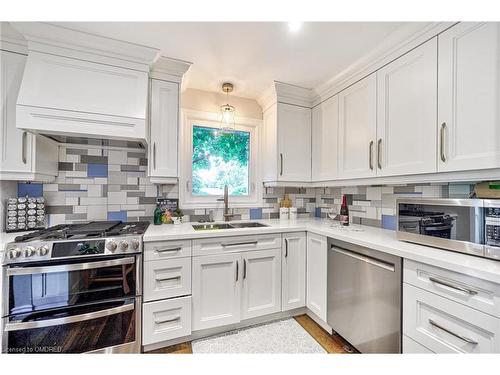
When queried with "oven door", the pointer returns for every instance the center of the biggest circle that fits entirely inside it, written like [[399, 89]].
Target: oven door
[[32, 288], [111, 326], [452, 224]]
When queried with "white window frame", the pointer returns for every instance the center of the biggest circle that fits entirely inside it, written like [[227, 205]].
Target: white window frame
[[192, 118]]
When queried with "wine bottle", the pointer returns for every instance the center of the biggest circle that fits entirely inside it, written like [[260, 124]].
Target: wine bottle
[[344, 212]]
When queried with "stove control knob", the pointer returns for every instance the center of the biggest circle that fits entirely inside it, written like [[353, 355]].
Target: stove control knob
[[42, 250], [29, 251], [14, 253], [111, 246], [123, 245], [134, 244]]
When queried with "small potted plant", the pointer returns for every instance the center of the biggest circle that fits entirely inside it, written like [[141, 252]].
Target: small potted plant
[[177, 216]]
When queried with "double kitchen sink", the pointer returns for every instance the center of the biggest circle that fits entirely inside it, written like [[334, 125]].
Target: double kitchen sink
[[216, 226]]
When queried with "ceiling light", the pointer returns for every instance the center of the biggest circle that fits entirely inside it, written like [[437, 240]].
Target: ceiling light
[[294, 26], [227, 111]]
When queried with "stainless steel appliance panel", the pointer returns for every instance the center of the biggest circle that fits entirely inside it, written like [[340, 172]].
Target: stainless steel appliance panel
[[451, 224], [364, 297]]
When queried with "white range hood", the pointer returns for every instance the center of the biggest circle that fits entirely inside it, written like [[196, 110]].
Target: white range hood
[[83, 88]]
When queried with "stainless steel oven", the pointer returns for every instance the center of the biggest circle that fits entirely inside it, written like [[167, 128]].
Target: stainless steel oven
[[451, 224], [73, 305]]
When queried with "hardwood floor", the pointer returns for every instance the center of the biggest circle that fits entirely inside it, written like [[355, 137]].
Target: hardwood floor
[[331, 343]]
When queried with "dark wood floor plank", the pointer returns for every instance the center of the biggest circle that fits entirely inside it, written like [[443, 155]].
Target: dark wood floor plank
[[331, 343]]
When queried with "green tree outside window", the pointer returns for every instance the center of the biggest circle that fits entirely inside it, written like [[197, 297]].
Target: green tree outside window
[[220, 158]]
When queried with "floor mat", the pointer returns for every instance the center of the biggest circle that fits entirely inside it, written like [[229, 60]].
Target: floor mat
[[280, 337]]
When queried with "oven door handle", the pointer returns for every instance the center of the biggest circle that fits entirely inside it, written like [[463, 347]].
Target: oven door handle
[[69, 267], [70, 319]]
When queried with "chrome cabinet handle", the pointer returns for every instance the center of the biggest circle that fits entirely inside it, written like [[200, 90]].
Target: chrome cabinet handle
[[442, 142], [281, 164], [168, 278], [379, 153], [244, 269], [237, 270], [453, 286], [371, 156], [286, 247], [447, 330], [239, 243], [367, 259], [154, 155], [166, 250], [25, 136], [167, 320], [70, 319], [70, 267]]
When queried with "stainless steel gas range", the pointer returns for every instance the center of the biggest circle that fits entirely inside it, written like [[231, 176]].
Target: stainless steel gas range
[[74, 289]]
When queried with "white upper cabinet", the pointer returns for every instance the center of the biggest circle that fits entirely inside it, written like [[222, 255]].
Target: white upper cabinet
[[163, 131], [164, 105], [469, 97], [294, 143], [286, 135], [23, 156], [325, 124], [261, 294], [293, 271], [407, 111], [358, 129]]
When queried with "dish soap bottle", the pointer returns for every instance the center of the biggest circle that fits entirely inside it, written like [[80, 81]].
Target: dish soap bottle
[[157, 215]]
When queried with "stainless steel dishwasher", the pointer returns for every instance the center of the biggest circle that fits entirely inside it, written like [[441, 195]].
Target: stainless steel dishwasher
[[364, 297]]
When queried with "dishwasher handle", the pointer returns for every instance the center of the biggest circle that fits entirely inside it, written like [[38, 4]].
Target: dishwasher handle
[[365, 258]]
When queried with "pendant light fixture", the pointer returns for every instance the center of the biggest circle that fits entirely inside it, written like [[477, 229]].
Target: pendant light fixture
[[227, 111]]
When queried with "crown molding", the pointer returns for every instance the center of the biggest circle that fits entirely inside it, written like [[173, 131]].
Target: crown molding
[[285, 93], [169, 69], [11, 40], [413, 35], [54, 39]]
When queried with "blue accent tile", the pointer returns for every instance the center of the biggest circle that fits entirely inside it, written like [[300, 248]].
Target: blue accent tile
[[317, 212], [255, 213], [30, 190], [117, 215], [389, 222], [97, 170]]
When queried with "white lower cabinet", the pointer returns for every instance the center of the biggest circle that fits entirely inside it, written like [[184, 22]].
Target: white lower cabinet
[[293, 271], [261, 283], [445, 326], [216, 290], [412, 347], [167, 278], [166, 320], [317, 263]]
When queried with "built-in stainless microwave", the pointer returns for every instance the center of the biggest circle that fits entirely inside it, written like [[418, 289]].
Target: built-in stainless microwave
[[470, 226]]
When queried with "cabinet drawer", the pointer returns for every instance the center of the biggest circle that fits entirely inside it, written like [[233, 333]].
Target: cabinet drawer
[[445, 326], [166, 250], [167, 278], [166, 320], [477, 293], [209, 246], [410, 346]]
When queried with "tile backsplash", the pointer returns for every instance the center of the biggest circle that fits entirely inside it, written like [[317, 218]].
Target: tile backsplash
[[111, 184]]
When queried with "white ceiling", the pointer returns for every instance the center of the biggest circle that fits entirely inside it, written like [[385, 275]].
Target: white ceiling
[[253, 54]]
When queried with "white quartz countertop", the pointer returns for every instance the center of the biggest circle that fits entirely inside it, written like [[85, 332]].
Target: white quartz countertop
[[374, 238]]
